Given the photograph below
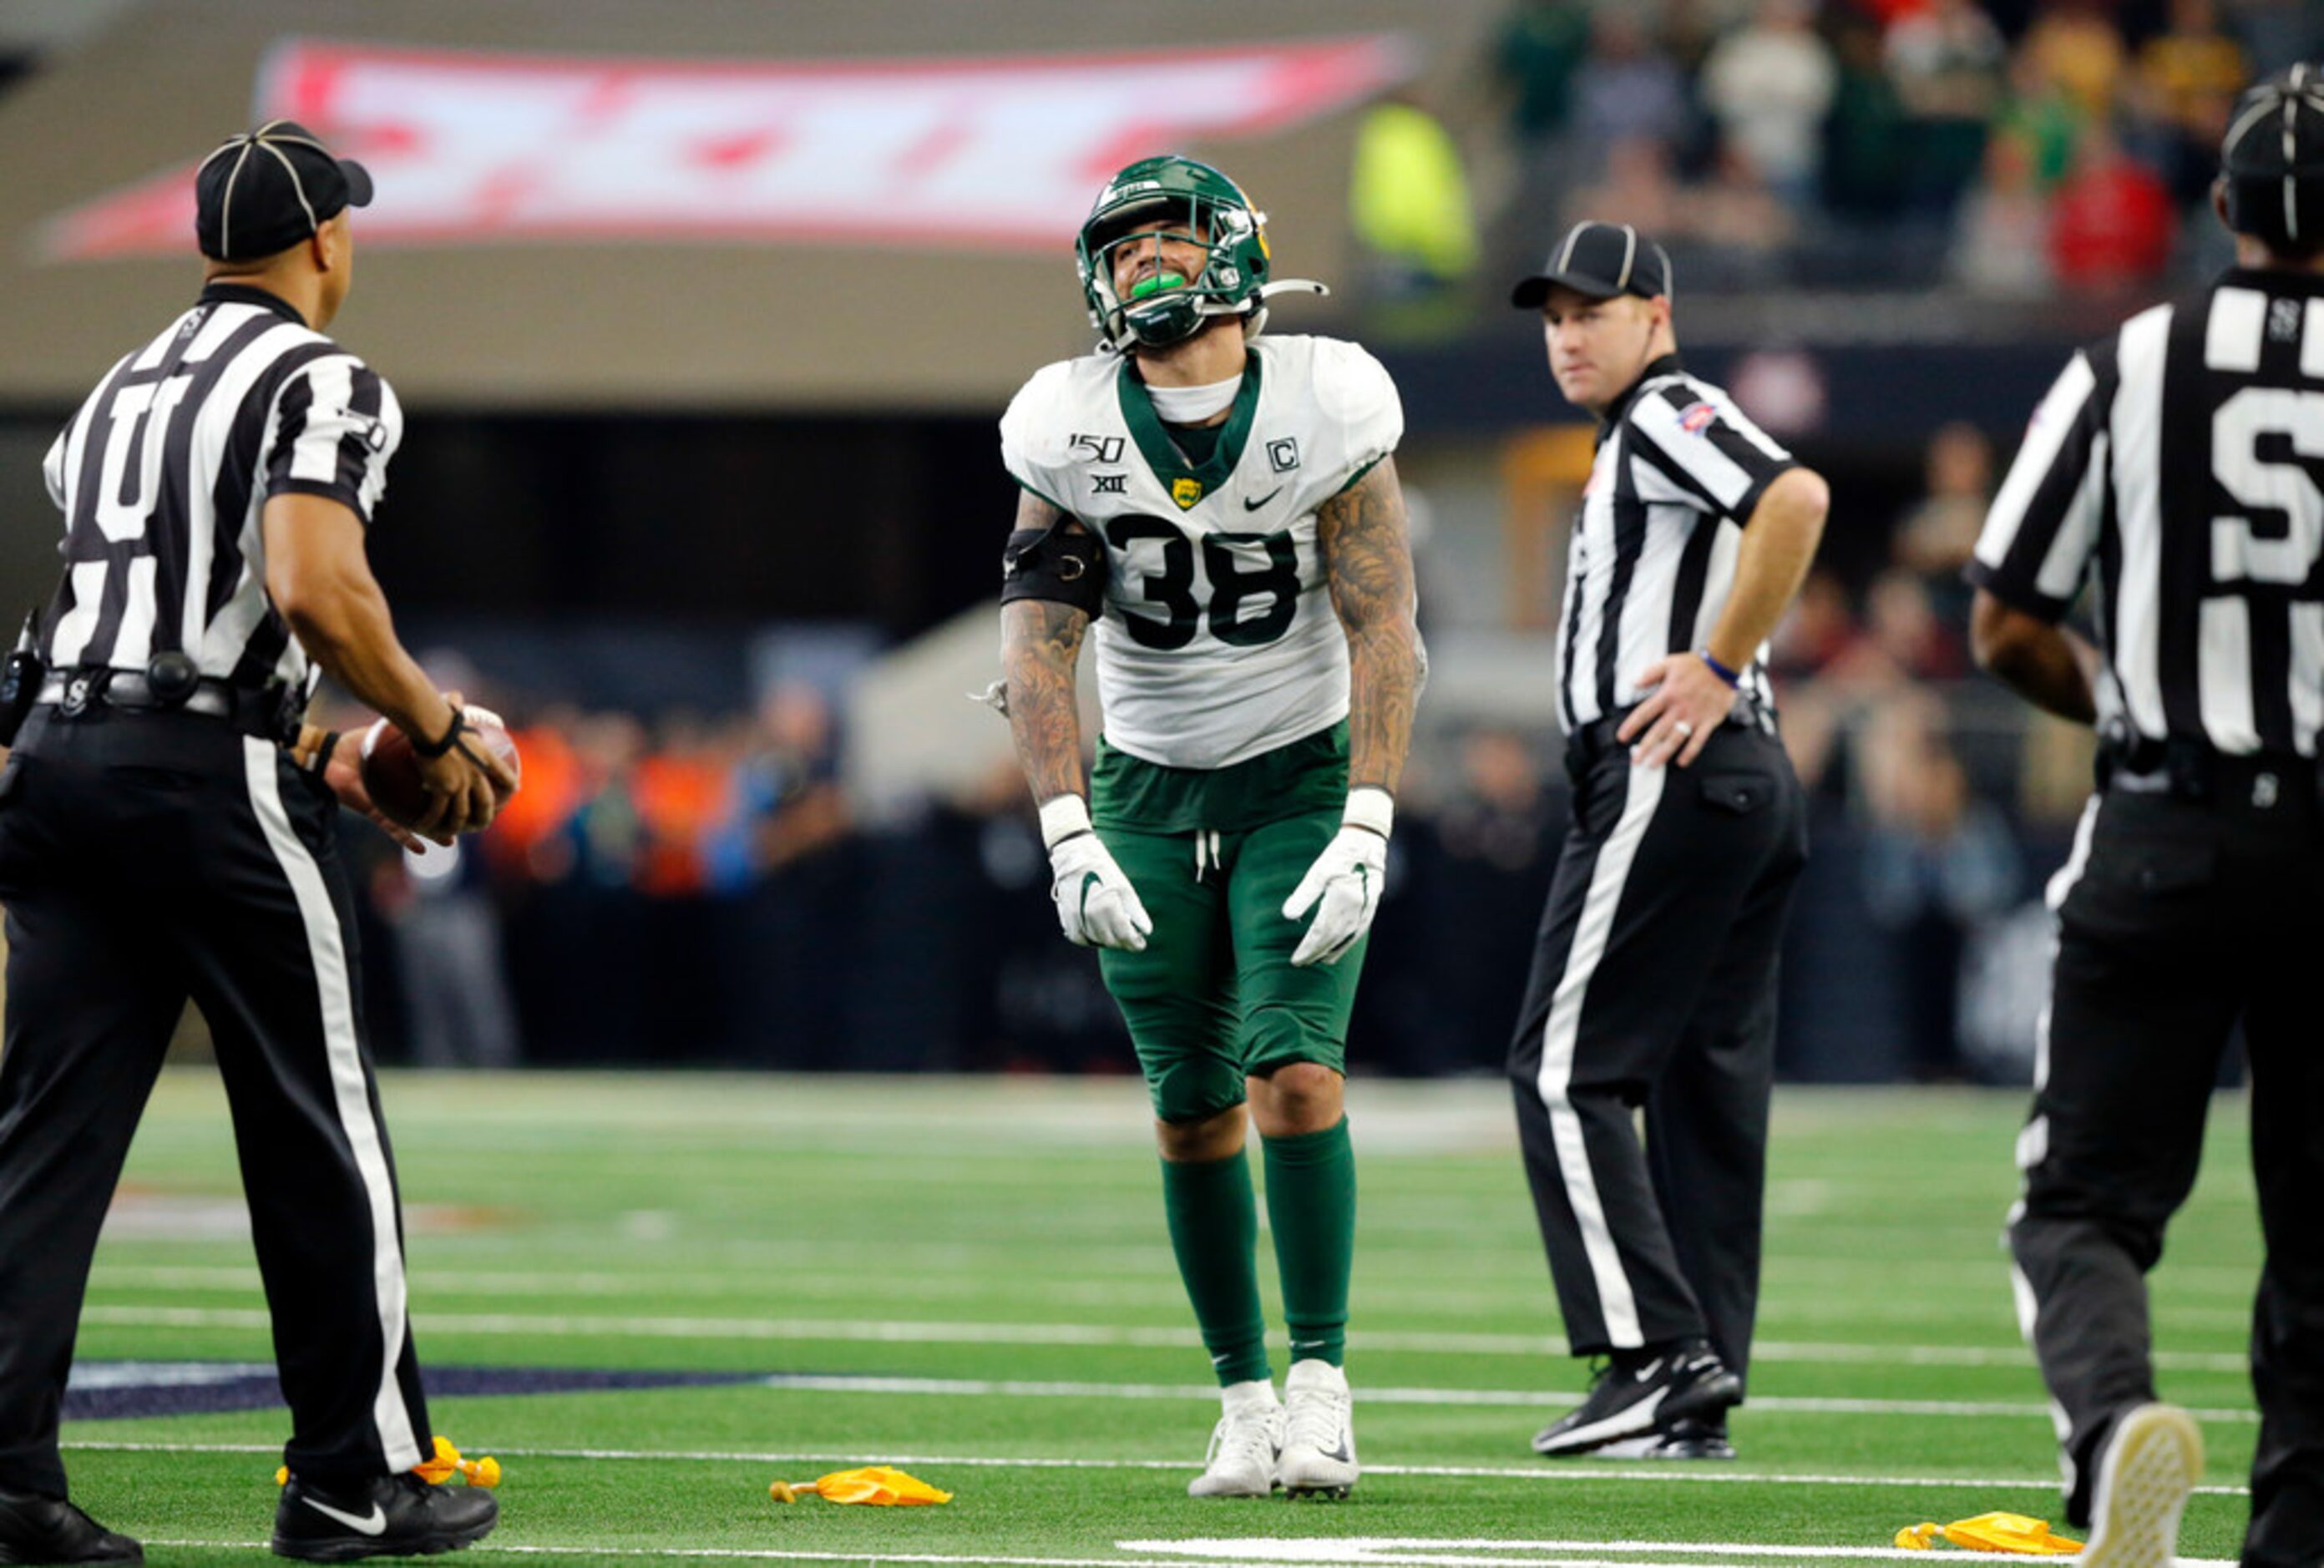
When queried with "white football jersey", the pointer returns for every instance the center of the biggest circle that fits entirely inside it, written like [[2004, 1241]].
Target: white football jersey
[[1217, 641]]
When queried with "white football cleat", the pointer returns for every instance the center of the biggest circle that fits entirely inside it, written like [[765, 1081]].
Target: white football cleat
[[1244, 1445], [2151, 1464], [1319, 1432]]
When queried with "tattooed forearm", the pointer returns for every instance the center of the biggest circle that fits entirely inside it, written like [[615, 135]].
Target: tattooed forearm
[[1040, 642], [1368, 562]]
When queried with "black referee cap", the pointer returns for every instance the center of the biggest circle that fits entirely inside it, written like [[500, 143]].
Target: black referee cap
[[1600, 259], [267, 189], [2274, 160]]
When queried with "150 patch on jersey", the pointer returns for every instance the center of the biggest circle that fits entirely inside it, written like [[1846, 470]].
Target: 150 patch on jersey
[[1097, 448]]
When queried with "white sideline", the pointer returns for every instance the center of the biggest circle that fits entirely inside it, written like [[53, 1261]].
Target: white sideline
[[1562, 1472], [1108, 1335]]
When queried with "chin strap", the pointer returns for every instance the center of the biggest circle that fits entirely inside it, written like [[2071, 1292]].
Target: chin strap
[[1290, 286], [1255, 320]]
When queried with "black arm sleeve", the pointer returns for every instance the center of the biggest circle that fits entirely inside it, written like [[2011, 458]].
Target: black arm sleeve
[[1048, 563]]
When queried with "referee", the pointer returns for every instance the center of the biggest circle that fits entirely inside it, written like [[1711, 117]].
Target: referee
[[166, 832], [1654, 977], [2176, 466]]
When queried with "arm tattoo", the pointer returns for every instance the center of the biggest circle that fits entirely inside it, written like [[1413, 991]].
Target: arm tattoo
[[1368, 563], [1040, 645]]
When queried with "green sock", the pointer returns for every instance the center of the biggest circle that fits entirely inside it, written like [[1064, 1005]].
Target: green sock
[[1214, 1230], [1311, 1205]]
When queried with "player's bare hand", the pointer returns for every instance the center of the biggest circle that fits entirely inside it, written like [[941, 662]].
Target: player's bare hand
[[343, 771], [1685, 702]]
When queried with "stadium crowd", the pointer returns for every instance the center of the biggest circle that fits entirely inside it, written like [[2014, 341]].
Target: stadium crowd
[[2016, 149]]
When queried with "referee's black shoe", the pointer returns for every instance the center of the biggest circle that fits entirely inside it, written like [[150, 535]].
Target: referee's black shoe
[[1691, 1439], [38, 1529], [1638, 1392], [389, 1515]]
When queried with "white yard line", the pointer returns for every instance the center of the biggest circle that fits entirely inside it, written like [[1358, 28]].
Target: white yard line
[[1486, 1552], [1544, 1471], [1312, 1553], [1104, 1335]]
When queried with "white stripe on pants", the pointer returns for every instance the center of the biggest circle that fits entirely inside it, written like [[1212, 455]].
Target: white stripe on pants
[[1607, 880], [350, 1088]]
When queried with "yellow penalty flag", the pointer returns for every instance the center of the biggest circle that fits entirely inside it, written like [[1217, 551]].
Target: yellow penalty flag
[[1992, 1532], [437, 1471], [874, 1483]]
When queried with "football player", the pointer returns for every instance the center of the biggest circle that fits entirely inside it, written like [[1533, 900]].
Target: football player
[[1224, 509]]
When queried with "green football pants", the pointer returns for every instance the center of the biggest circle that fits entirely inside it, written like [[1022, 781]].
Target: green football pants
[[1215, 998]]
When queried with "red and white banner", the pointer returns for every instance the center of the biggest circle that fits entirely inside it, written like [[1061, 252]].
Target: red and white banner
[[990, 152]]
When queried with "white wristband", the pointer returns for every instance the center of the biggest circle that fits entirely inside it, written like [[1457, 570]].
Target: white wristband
[[1370, 807], [1062, 818]]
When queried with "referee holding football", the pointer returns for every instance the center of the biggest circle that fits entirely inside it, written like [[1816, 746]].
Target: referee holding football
[[1654, 980], [167, 831], [2178, 465]]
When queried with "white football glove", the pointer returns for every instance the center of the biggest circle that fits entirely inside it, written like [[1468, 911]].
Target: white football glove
[[1346, 878], [1096, 905]]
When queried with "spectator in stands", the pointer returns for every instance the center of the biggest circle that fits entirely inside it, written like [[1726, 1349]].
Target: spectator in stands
[[2112, 222], [678, 788], [2075, 46], [1408, 207], [1937, 861], [1769, 86], [2190, 73], [1737, 225], [2044, 117], [2186, 84], [1542, 45], [1638, 189], [1628, 86], [1948, 61], [1936, 535], [448, 957], [1867, 145], [2001, 247], [604, 836], [782, 800]]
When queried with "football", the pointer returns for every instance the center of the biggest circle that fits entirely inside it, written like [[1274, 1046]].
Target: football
[[391, 768]]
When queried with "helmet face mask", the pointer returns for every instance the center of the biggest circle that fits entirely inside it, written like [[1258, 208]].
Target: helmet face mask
[[1196, 206]]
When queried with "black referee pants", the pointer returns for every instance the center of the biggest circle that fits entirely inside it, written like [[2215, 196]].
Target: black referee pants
[[1653, 985], [145, 858], [2176, 919]]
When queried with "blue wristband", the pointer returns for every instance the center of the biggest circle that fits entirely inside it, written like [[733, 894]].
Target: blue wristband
[[1733, 678]]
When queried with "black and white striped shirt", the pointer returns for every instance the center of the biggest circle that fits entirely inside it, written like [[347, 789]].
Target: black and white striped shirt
[[163, 472], [1678, 472], [2179, 465]]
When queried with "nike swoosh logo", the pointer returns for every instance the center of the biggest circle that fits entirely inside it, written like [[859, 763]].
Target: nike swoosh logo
[[1648, 1370], [373, 1524], [1249, 505]]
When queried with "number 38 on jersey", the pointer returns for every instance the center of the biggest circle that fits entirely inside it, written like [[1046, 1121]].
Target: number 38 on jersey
[[1217, 641]]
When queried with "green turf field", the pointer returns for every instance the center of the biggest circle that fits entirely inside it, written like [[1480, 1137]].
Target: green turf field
[[972, 1278]]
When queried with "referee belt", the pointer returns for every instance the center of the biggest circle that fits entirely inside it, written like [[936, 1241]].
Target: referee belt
[[2190, 770], [1592, 741], [270, 712]]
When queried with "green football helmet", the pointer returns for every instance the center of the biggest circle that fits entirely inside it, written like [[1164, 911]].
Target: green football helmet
[[1202, 207]]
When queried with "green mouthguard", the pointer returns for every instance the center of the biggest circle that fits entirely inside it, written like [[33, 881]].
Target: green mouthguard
[[1156, 285]]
